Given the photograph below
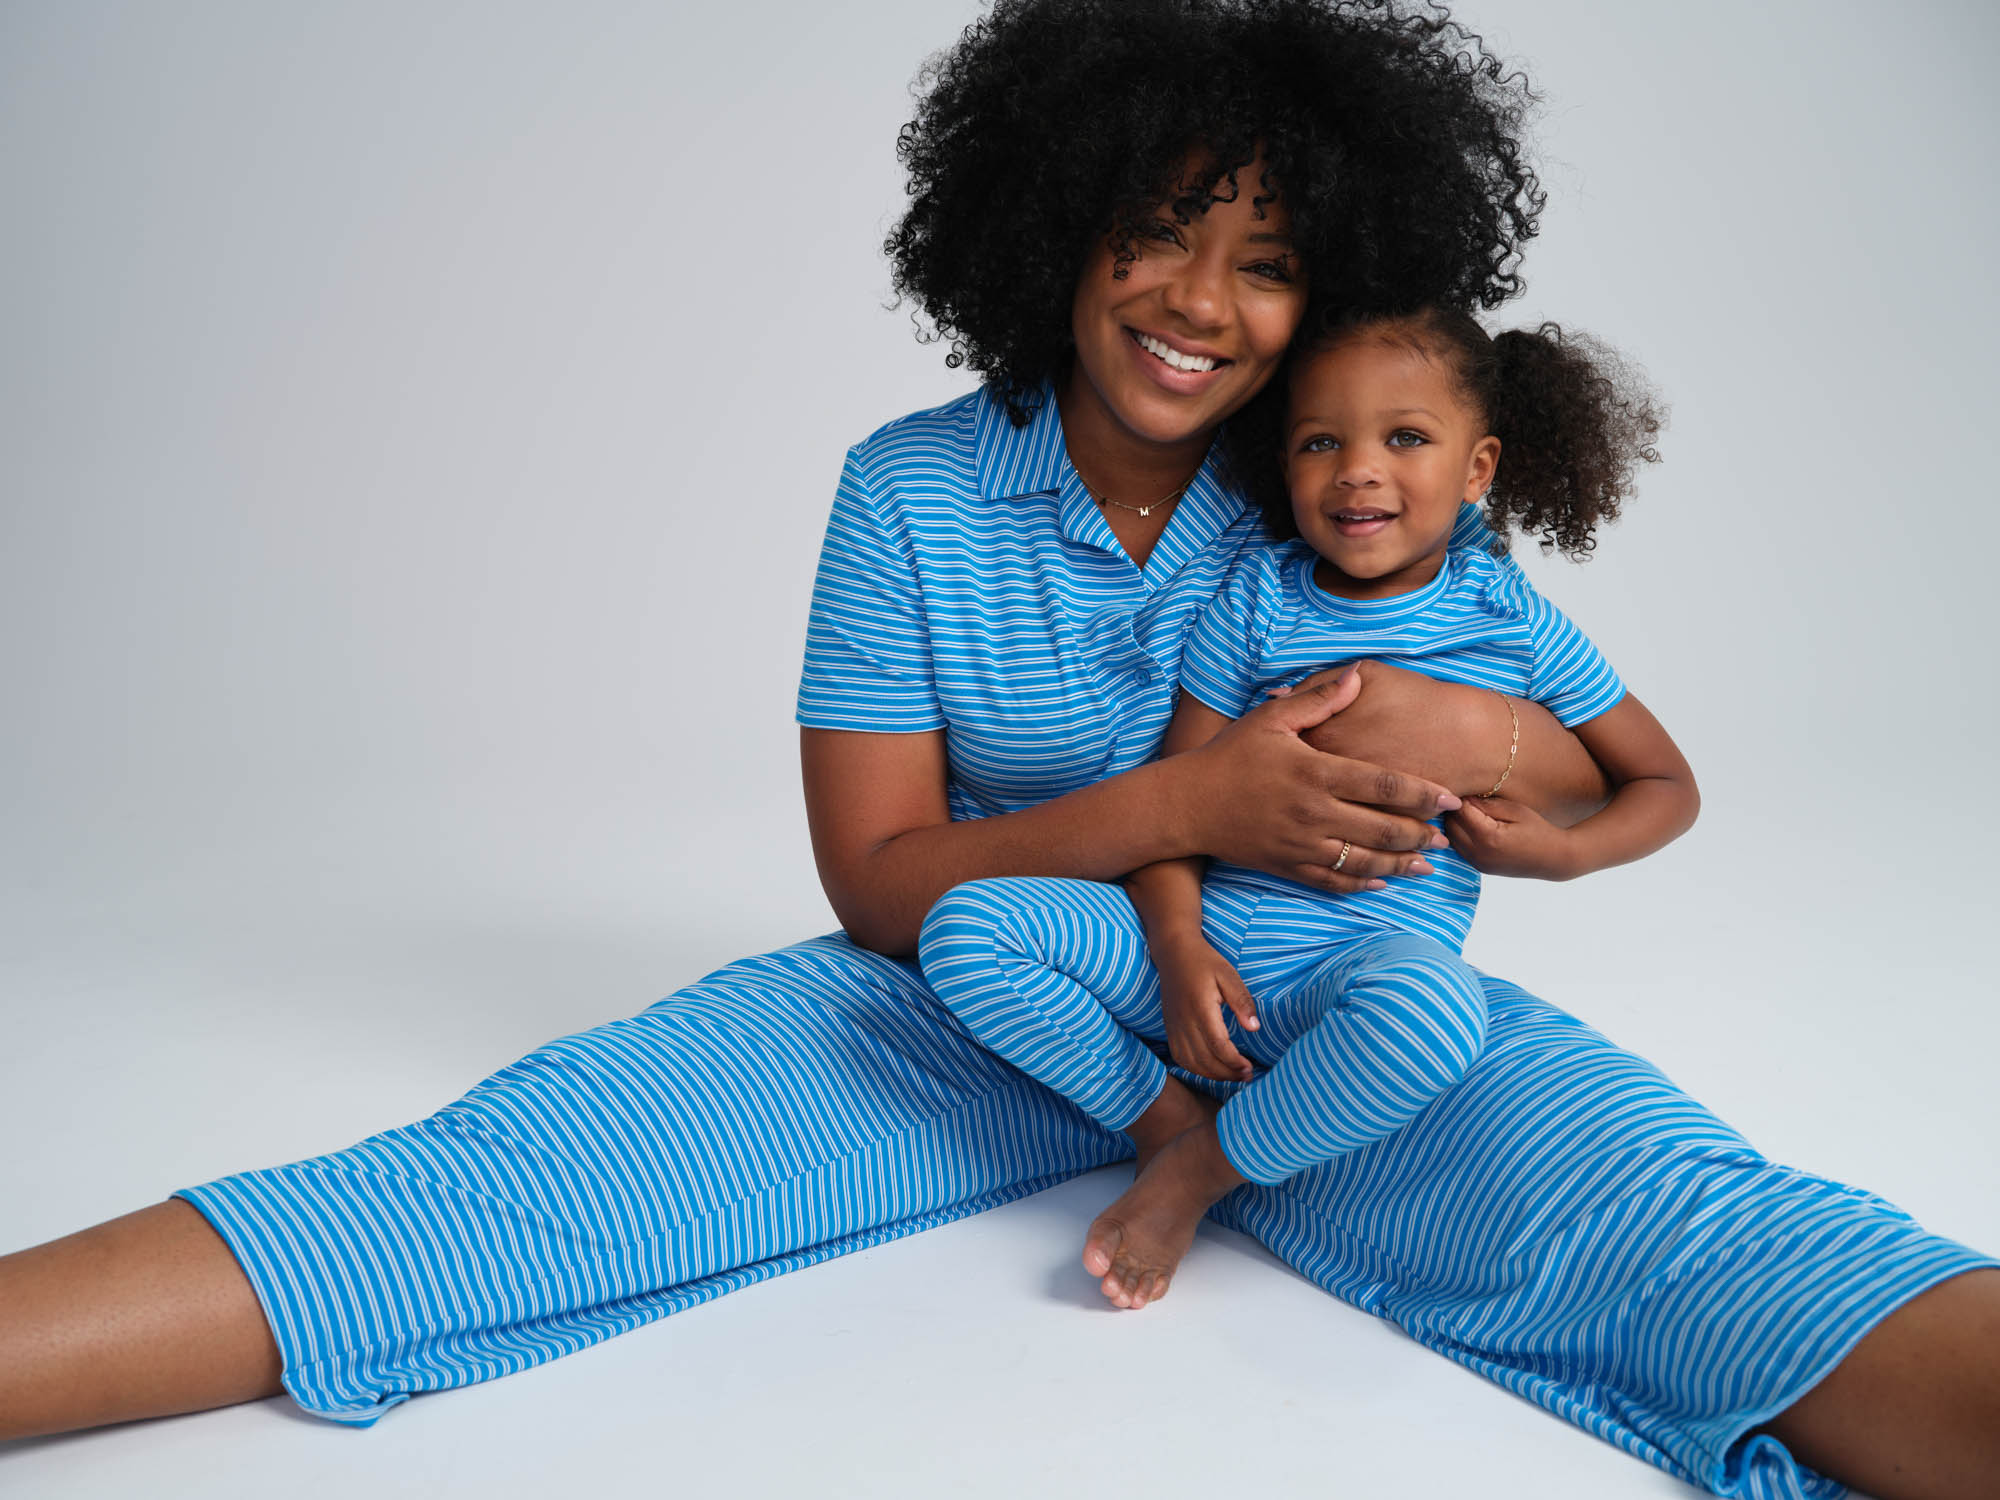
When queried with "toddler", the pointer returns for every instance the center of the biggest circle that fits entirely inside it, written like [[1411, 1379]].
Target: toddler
[[1359, 1008]]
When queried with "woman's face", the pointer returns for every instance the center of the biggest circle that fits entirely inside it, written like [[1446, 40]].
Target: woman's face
[[1199, 322]]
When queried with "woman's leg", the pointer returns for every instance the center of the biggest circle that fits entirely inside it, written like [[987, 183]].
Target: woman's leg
[[786, 1109], [1568, 1223], [145, 1316], [1913, 1411]]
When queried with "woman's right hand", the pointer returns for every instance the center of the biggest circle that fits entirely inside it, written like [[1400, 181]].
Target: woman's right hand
[[1260, 796]]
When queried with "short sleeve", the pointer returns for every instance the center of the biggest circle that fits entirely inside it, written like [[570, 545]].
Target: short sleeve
[[1219, 664], [1572, 680], [868, 655]]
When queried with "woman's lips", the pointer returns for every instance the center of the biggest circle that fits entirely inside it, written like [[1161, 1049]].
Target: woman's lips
[[1168, 366]]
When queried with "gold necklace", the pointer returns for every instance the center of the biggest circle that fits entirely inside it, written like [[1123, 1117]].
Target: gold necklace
[[1144, 510]]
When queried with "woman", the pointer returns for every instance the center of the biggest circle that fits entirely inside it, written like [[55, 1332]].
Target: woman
[[665, 1156]]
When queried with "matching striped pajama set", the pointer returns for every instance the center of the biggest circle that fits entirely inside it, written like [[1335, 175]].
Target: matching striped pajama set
[[1366, 1011], [1561, 1219]]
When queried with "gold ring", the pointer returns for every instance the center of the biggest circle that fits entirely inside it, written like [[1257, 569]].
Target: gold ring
[[1345, 849]]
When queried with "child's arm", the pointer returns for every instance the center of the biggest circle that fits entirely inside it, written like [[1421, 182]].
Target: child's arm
[[1654, 803], [1195, 980]]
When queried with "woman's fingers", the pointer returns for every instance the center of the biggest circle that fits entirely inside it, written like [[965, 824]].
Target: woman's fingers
[[1391, 792], [1311, 702], [1361, 863], [1323, 878], [1267, 799]]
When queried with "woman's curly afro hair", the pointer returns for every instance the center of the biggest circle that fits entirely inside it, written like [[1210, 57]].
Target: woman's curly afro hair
[[1392, 135]]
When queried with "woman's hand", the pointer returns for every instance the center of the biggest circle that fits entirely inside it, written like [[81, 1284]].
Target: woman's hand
[[1196, 983], [1259, 795], [1502, 837], [1458, 737]]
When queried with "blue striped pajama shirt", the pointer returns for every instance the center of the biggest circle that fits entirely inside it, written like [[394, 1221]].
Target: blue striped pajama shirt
[[1563, 1219], [1366, 1010]]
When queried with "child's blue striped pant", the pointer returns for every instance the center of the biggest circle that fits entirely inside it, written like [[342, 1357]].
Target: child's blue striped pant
[[1360, 1026]]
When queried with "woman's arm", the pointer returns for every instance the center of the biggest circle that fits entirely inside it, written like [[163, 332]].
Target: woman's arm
[[1256, 795], [1655, 803], [1458, 737]]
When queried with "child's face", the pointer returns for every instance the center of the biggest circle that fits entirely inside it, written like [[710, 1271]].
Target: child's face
[[1380, 452]]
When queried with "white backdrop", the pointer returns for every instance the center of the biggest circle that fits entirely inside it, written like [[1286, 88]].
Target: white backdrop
[[416, 425]]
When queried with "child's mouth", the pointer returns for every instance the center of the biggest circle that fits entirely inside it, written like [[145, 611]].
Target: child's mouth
[[1363, 521]]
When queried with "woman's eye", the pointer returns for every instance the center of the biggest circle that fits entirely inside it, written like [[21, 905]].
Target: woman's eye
[[1407, 439], [1161, 230], [1271, 270]]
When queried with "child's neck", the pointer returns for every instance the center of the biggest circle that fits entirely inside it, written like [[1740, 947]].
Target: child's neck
[[1405, 580]]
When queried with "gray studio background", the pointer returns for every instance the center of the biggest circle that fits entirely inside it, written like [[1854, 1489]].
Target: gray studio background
[[416, 427]]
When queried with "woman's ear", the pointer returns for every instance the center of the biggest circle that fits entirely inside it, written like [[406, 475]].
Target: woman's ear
[[1479, 473]]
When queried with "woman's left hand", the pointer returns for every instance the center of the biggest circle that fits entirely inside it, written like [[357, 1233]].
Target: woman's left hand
[[1458, 737], [1498, 836]]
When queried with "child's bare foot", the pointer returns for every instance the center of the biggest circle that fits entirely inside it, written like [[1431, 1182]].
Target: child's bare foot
[[1135, 1244], [1179, 1108]]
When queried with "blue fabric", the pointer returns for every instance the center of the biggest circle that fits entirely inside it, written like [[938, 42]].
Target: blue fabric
[[1563, 1219], [1359, 1028], [1479, 622]]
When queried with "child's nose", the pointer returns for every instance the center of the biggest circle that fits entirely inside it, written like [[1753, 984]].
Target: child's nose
[[1358, 470]]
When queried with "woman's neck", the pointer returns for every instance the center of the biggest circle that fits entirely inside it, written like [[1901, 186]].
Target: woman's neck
[[1113, 461]]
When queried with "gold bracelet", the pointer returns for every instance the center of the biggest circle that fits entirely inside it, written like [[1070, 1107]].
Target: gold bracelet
[[1513, 748]]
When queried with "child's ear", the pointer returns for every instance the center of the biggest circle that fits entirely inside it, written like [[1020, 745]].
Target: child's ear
[[1479, 473]]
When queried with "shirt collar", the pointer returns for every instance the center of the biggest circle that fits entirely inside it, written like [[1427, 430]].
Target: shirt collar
[[1014, 461], [1018, 460]]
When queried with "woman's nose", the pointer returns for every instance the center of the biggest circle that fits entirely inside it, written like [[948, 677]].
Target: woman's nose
[[1200, 293]]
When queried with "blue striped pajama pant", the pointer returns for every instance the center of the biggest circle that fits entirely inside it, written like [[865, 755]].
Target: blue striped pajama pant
[[1563, 1219], [1361, 1026]]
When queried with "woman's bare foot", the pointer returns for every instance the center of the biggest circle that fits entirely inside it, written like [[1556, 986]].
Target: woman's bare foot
[[1135, 1244], [1178, 1108]]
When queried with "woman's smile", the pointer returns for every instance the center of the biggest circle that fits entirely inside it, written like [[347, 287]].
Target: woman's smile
[[1179, 358], [1177, 333]]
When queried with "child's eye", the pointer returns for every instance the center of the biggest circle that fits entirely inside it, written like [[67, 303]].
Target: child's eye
[[1319, 444], [1407, 439]]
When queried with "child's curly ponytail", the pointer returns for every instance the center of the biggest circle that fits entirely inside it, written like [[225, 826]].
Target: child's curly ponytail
[[1574, 421]]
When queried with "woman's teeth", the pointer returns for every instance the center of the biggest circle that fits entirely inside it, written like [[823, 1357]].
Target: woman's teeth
[[1167, 354]]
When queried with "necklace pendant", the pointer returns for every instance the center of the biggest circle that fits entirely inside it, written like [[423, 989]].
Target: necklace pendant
[[1145, 510]]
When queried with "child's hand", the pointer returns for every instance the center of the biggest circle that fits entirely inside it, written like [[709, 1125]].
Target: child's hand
[[1196, 982], [1500, 837]]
